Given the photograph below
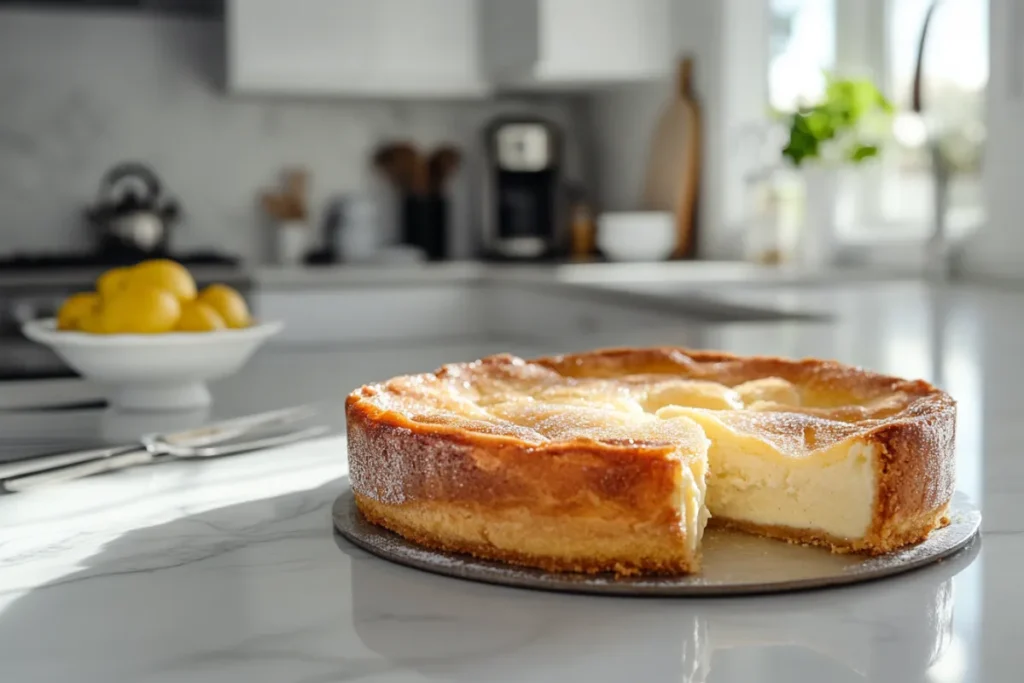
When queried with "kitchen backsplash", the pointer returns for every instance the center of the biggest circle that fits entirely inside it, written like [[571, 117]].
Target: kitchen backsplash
[[84, 91]]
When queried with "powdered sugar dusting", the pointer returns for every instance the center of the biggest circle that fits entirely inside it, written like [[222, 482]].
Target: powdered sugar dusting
[[797, 406]]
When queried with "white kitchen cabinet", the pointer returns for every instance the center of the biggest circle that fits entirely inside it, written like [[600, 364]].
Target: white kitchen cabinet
[[575, 44], [536, 313], [457, 311], [378, 48], [372, 314]]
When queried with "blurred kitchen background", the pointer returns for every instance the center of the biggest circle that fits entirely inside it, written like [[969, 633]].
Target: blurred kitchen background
[[219, 99], [362, 170]]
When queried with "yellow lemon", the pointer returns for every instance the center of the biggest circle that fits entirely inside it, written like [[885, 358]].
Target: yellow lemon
[[74, 308], [111, 281], [197, 316], [163, 274], [92, 322], [229, 303], [140, 310]]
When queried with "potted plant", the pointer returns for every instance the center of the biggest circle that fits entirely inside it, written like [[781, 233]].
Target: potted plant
[[844, 128]]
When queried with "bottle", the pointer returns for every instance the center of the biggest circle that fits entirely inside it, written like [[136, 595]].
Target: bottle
[[360, 235], [581, 227]]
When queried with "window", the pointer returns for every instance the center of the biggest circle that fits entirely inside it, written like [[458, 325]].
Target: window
[[802, 45], [954, 96], [805, 37]]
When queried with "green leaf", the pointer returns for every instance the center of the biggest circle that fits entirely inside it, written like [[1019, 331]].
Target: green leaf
[[862, 152], [848, 109], [820, 124]]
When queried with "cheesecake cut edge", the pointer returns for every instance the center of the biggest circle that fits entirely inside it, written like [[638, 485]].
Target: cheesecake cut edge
[[915, 449], [906, 496]]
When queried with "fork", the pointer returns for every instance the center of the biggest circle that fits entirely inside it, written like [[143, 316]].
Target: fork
[[197, 443]]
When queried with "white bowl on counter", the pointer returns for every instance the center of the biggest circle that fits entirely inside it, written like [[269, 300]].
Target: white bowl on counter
[[636, 235], [153, 372]]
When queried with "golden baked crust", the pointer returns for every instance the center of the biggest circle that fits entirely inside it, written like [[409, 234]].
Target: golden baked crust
[[564, 463]]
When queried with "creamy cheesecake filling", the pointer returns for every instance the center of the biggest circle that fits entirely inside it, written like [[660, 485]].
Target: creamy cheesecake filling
[[690, 495], [749, 480], [691, 501], [834, 495]]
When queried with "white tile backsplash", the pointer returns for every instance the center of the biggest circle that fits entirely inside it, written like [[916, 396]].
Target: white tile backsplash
[[81, 91]]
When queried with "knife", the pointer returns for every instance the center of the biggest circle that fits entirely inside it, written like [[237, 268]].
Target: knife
[[200, 436]]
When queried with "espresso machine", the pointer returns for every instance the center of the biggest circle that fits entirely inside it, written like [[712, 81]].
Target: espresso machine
[[523, 213]]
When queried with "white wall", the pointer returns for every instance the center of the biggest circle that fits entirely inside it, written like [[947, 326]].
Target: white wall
[[80, 92], [998, 249]]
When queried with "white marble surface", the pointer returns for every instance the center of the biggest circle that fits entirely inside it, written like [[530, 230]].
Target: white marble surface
[[228, 570]]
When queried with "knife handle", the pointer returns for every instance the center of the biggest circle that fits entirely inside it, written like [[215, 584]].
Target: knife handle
[[49, 462], [78, 471]]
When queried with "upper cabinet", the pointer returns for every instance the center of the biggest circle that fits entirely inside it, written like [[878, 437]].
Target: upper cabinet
[[371, 48], [575, 44], [442, 48]]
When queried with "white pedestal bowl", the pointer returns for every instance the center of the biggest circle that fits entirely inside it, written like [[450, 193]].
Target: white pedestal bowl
[[154, 372]]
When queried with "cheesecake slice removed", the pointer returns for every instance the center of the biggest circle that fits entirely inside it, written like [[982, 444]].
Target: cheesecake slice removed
[[615, 460]]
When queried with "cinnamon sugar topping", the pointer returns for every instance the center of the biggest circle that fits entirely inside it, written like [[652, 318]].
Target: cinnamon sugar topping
[[795, 405]]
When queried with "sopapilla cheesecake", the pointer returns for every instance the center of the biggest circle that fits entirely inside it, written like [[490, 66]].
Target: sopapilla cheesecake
[[615, 460]]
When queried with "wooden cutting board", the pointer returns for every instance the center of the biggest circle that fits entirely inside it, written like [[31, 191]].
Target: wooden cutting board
[[672, 181]]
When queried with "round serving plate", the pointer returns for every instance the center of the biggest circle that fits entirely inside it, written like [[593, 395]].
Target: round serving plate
[[732, 563]]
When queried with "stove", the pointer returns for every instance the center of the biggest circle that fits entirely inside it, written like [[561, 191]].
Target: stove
[[34, 285], [57, 261]]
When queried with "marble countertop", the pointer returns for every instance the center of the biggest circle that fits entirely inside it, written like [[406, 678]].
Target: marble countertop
[[229, 571], [682, 274]]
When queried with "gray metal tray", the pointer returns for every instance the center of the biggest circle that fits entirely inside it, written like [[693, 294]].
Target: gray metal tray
[[733, 563]]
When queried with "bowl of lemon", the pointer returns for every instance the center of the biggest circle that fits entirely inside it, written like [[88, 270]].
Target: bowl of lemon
[[151, 338]]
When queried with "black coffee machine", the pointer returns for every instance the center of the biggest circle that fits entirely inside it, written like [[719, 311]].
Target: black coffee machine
[[522, 202]]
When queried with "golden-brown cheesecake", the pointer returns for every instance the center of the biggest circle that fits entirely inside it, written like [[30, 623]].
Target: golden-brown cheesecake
[[614, 460]]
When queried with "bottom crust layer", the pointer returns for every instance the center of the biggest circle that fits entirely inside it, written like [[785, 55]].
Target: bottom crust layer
[[515, 536], [594, 546]]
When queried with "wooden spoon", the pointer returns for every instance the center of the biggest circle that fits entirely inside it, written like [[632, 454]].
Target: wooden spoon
[[441, 166], [399, 162]]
